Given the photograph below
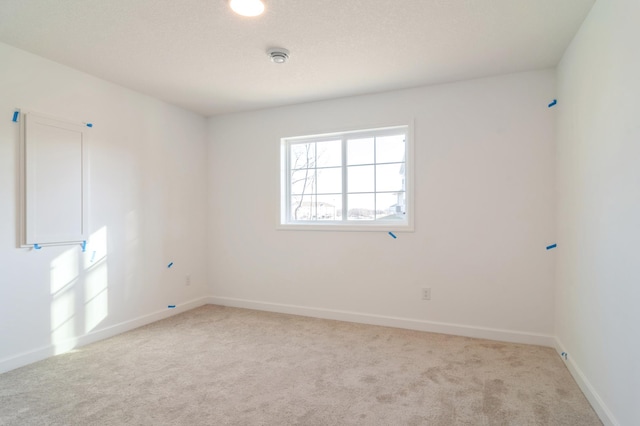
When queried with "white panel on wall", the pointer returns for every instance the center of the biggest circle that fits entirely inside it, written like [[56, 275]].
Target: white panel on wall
[[54, 181]]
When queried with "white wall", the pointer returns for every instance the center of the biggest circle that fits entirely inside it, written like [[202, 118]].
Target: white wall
[[598, 273], [485, 211], [147, 208]]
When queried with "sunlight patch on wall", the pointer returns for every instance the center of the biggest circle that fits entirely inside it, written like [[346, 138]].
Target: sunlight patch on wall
[[79, 296], [96, 292], [96, 296], [64, 270], [96, 248], [64, 277]]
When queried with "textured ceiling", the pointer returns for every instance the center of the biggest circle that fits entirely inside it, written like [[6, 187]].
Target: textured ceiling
[[201, 56]]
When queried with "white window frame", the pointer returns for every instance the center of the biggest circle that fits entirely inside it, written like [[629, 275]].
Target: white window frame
[[284, 223]]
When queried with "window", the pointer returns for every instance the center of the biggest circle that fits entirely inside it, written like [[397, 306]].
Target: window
[[349, 180]]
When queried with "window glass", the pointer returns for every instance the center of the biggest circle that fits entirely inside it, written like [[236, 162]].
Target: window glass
[[360, 151], [356, 178]]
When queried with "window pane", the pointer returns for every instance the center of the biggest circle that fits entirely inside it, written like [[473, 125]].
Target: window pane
[[303, 155], [361, 206], [303, 208], [360, 151], [360, 179], [390, 177], [390, 206], [329, 181], [329, 207], [346, 180], [390, 149], [329, 154], [303, 181]]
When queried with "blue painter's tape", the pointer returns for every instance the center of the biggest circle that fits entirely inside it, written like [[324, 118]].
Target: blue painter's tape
[[37, 247], [552, 246], [553, 103], [392, 234], [16, 115], [93, 256], [171, 306], [170, 265], [89, 124], [84, 246]]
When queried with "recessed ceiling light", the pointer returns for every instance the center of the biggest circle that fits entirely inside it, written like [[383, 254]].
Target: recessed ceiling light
[[247, 7], [279, 55]]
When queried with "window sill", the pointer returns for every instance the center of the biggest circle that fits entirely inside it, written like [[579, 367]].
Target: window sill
[[373, 227]]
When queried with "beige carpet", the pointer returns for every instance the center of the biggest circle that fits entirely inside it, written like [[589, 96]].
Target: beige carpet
[[224, 366]]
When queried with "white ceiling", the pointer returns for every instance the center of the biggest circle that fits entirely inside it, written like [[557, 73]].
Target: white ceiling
[[201, 56]]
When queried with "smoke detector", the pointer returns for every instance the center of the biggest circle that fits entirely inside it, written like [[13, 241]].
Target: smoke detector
[[278, 55]]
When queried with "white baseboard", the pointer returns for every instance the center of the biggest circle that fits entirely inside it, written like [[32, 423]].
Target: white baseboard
[[388, 321], [606, 416], [29, 357]]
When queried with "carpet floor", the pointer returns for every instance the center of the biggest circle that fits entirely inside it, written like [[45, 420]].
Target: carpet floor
[[225, 366]]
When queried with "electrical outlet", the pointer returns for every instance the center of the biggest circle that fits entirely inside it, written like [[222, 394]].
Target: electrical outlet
[[187, 280], [426, 293]]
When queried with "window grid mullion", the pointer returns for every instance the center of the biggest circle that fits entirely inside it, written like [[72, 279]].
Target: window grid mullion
[[345, 207], [314, 196], [375, 171], [289, 189]]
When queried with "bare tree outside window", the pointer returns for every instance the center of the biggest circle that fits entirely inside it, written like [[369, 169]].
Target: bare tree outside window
[[303, 172], [311, 199]]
